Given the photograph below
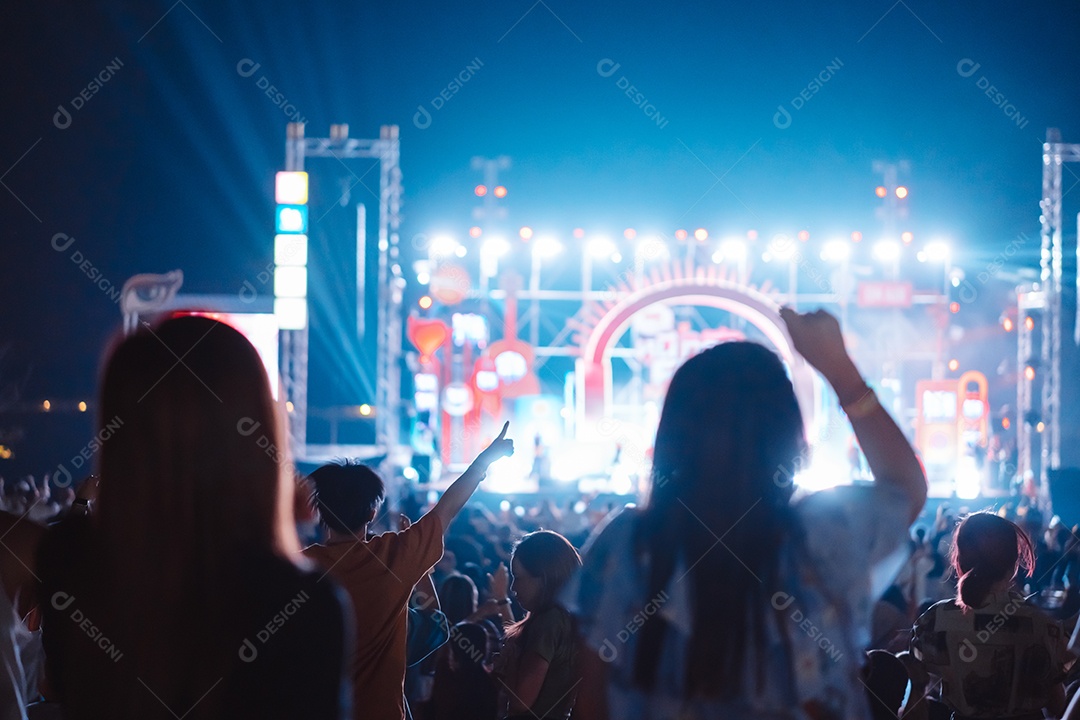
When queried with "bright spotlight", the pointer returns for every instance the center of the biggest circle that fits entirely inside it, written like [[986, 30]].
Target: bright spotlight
[[937, 251], [652, 248], [733, 249], [887, 251], [782, 247], [836, 251], [546, 247], [495, 246], [600, 247], [442, 246]]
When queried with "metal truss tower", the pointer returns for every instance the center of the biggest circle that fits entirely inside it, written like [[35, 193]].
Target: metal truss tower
[[294, 343]]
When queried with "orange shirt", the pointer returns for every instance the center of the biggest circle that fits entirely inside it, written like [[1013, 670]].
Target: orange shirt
[[379, 576]]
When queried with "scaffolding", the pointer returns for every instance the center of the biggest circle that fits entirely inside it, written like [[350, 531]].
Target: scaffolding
[[294, 343], [1044, 298]]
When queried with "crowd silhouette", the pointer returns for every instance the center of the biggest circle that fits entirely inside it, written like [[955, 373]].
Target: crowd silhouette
[[173, 583]]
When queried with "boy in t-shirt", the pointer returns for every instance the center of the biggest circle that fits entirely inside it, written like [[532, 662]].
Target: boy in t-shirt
[[379, 574]]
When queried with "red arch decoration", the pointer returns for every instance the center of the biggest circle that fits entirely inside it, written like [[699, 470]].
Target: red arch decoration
[[694, 288]]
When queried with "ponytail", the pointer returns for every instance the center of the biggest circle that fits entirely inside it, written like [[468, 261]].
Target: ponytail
[[988, 549]]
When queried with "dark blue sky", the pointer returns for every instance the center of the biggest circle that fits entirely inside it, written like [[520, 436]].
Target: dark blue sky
[[170, 163]]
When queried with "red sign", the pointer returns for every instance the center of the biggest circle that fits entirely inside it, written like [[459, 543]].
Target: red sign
[[884, 294]]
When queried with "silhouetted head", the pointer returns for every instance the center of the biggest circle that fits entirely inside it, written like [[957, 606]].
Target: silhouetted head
[[541, 564], [458, 597], [193, 444], [730, 427], [987, 550], [348, 495]]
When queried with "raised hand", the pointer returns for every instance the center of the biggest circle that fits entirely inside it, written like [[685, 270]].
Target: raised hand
[[500, 447], [817, 337], [499, 582]]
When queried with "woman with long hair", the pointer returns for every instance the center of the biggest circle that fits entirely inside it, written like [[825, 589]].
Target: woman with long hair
[[183, 592], [721, 598], [538, 668], [996, 655]]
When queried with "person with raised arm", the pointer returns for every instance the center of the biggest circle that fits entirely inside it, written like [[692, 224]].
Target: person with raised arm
[[721, 597], [379, 573]]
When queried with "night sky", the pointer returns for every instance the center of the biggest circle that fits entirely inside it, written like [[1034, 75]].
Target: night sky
[[169, 163]]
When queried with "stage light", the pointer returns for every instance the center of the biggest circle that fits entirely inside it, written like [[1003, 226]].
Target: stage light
[[365, 410], [856, 236], [291, 249], [289, 407], [46, 406], [291, 219], [425, 302], [937, 251], [290, 282], [804, 235], [475, 231], [480, 190], [500, 191], [579, 233], [782, 247], [901, 192], [652, 248], [410, 474], [954, 307], [1007, 323], [836, 251], [1029, 373], [442, 246], [616, 257], [701, 234], [82, 406], [681, 234], [907, 237], [525, 233], [1029, 323], [954, 365], [291, 313], [461, 251], [629, 233], [291, 188], [887, 251], [968, 479], [495, 246], [880, 191], [600, 247], [733, 249], [423, 278], [751, 235], [1040, 426], [1005, 423], [718, 257], [547, 247]]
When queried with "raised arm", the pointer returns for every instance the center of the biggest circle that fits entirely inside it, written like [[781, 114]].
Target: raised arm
[[892, 461], [461, 490]]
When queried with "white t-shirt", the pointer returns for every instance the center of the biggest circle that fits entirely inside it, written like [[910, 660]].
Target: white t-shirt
[[855, 543]]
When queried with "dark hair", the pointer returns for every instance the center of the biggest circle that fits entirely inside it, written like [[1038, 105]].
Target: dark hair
[[885, 679], [986, 550], [457, 596], [347, 494], [727, 447], [470, 645], [550, 558], [190, 496]]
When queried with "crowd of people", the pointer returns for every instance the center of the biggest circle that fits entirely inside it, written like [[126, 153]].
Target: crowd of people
[[174, 582]]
